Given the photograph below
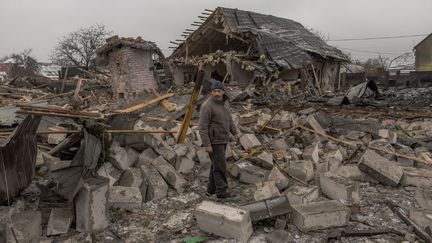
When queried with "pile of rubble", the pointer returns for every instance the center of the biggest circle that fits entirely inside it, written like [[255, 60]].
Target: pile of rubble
[[298, 174]]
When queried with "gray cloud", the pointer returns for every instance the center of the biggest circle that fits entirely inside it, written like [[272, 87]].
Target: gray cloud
[[38, 24]]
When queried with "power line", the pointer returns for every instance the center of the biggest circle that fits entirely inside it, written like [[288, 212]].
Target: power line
[[381, 38], [374, 52]]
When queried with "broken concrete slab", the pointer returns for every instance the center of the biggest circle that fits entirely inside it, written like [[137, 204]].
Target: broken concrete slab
[[119, 156], [266, 190], [146, 157], [334, 159], [279, 145], [351, 172], [91, 205], [416, 177], [264, 160], [156, 187], [315, 125], [225, 221], [110, 172], [320, 215], [380, 168], [302, 169], [311, 153], [422, 217], [26, 227], [164, 150], [339, 188], [59, 221], [298, 194], [280, 179], [184, 165], [423, 196], [249, 141], [171, 176], [125, 197], [248, 173], [131, 177], [203, 156]]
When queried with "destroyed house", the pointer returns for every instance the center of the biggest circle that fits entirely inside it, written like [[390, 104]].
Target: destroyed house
[[132, 64], [249, 47]]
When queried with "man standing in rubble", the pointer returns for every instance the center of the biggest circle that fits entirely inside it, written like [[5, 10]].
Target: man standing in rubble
[[215, 126]]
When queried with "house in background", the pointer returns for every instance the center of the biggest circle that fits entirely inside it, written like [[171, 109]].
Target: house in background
[[49, 70], [423, 61], [132, 63], [351, 75], [5, 69], [247, 47]]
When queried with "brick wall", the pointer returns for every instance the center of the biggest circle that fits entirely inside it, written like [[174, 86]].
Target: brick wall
[[132, 73]]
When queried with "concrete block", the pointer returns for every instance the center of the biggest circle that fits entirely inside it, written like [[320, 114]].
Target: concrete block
[[249, 141], [91, 205], [264, 159], [315, 125], [229, 153], [280, 179], [248, 173], [339, 188], [184, 165], [279, 145], [266, 190], [146, 157], [279, 236], [181, 149], [416, 177], [125, 197], [133, 155], [320, 215], [334, 159], [119, 156], [351, 172], [110, 172], [423, 196], [156, 187], [203, 156], [59, 221], [390, 136], [380, 168], [27, 227], [166, 152], [131, 177], [224, 221], [422, 217], [298, 194], [311, 153], [281, 222], [302, 169], [171, 176], [204, 173]]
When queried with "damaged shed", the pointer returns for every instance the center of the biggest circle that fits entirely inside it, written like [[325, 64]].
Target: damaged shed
[[247, 47], [132, 63]]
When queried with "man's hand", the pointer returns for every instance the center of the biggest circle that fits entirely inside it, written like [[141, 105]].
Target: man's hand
[[209, 149]]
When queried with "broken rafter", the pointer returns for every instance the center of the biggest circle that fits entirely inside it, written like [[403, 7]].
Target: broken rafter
[[191, 108], [145, 103], [50, 111]]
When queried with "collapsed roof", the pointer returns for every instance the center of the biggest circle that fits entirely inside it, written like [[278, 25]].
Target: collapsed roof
[[136, 43], [286, 42]]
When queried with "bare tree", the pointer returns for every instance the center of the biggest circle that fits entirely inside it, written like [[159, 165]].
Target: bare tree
[[23, 64], [78, 48], [378, 63]]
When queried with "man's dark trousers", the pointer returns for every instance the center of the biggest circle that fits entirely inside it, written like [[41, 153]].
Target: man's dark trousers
[[218, 182]]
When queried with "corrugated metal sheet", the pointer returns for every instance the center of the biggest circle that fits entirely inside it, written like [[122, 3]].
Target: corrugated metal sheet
[[18, 157]]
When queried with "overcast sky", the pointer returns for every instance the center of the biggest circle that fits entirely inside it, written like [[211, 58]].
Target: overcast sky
[[38, 24]]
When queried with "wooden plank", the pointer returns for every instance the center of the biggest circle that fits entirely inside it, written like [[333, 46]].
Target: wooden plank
[[191, 108], [145, 104], [77, 89]]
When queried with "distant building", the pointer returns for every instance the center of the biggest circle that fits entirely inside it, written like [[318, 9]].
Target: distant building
[[49, 70], [132, 64], [423, 62], [423, 54]]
